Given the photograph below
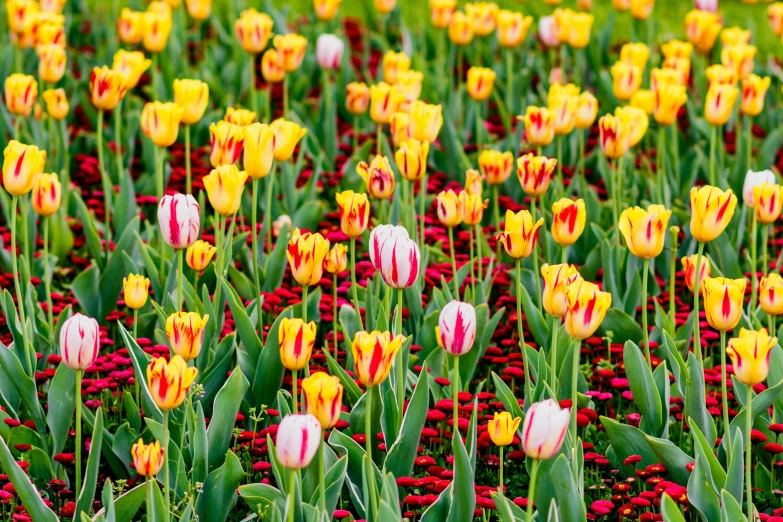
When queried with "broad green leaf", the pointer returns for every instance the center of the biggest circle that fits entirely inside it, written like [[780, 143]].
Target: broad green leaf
[[219, 490], [224, 413], [90, 482], [27, 493]]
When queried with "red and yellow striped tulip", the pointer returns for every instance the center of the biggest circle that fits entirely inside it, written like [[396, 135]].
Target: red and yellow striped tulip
[[587, 307], [185, 331], [373, 354], [296, 340], [711, 211], [306, 253], [750, 354], [520, 234], [169, 381]]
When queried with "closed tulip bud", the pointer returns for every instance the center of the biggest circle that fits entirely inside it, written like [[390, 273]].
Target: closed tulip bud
[[735, 36], [660, 77], [754, 89], [768, 202], [460, 29], [556, 90], [644, 231], [290, 50], [199, 9], [157, 27], [225, 141], [259, 147], [563, 108], [79, 342], [584, 5], [544, 429], [635, 120], [502, 428], [160, 122], [323, 398], [681, 68], [457, 327], [568, 221], [357, 97], [192, 96], [354, 212], [711, 5], [199, 254], [669, 99], [130, 26], [131, 65], [484, 17], [579, 26], [169, 381], [253, 30], [723, 300], [329, 51], [287, 136], [51, 62], [711, 211], [135, 291], [185, 331], [240, 117], [270, 67], [750, 354], [373, 354], [689, 266], [702, 28], [473, 182], [224, 186], [46, 194], [411, 159], [520, 233], [636, 54], [393, 65], [385, 7], [626, 79], [441, 12], [147, 459], [535, 173], [721, 74], [539, 126], [408, 86], [556, 280], [615, 136], [739, 58], [586, 110], [752, 180], [46, 29], [472, 208], [378, 236], [644, 100], [19, 13], [384, 100], [512, 28], [337, 259], [425, 121], [495, 166], [298, 439], [480, 81], [326, 9], [399, 261], [306, 253], [587, 307], [179, 219], [771, 294], [677, 49], [449, 208], [21, 90], [21, 164], [107, 87], [399, 125], [641, 9], [378, 176], [775, 16], [547, 31], [56, 103]]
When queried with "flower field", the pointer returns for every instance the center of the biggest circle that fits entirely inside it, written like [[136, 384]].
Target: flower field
[[391, 261]]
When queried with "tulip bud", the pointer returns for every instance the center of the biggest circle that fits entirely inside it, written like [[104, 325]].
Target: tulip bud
[[635, 54], [706, 5], [587, 307], [56, 103], [399, 125], [702, 28], [147, 459], [721, 74], [290, 50], [378, 176], [689, 266], [641, 9], [46, 194], [135, 290], [157, 27], [193, 97], [544, 429], [354, 212], [677, 49], [385, 7], [547, 31], [669, 98], [753, 180], [282, 221], [378, 236], [472, 208], [775, 16], [21, 164], [563, 109], [556, 280], [199, 254], [771, 294], [441, 12], [520, 233], [512, 28], [179, 219], [79, 342], [754, 89], [259, 149], [337, 259], [296, 340], [711, 211], [723, 300], [306, 254], [324, 398], [535, 173], [586, 110], [635, 120], [253, 30], [484, 16], [457, 327], [384, 100], [461, 29], [169, 381], [644, 231], [185, 331], [393, 65], [130, 26], [626, 79], [568, 221], [480, 81], [373, 354], [768, 202], [357, 97], [615, 136], [298, 439], [502, 427], [160, 122], [107, 87], [681, 68], [735, 36], [199, 9], [578, 27], [425, 121], [326, 9], [750, 354], [449, 208], [329, 51], [408, 86], [21, 91], [287, 136], [474, 179], [719, 103], [411, 159], [226, 142], [399, 261], [224, 186], [51, 62], [270, 67], [739, 58], [539, 126], [240, 117], [131, 65]]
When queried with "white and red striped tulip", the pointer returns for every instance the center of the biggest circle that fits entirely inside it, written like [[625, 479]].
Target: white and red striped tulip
[[400, 262], [79, 342], [179, 218], [298, 438], [706, 5], [378, 236], [544, 429], [457, 327], [329, 51]]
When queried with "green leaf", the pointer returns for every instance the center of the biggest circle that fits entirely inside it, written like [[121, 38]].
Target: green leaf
[[266, 384], [508, 399], [90, 232], [26, 389], [355, 453], [673, 458], [626, 441], [695, 404], [27, 493], [62, 403], [463, 488], [140, 360], [350, 386], [711, 468], [670, 510], [730, 508], [334, 480], [127, 505], [570, 503], [623, 327], [262, 496], [644, 390], [402, 452], [224, 414], [200, 446], [701, 492], [219, 491], [90, 482]]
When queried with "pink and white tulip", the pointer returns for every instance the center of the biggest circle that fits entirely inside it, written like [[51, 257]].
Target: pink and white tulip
[[79, 342], [706, 5], [457, 327], [179, 218], [547, 31], [754, 179], [298, 439], [400, 262], [544, 429], [378, 236], [329, 51]]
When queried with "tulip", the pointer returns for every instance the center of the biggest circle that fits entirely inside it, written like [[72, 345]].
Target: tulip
[[768, 202], [449, 208], [130, 26], [495, 166], [147, 459], [568, 221], [378, 237], [21, 91], [641, 9], [199, 255], [702, 28], [739, 58], [771, 295], [752, 180], [179, 219], [547, 31], [199, 9], [399, 261], [399, 125], [502, 427], [253, 30], [556, 90], [324, 398], [408, 86], [484, 16], [735, 36], [723, 299], [750, 354], [711, 211], [615, 136], [298, 438], [107, 87], [425, 121], [587, 306], [644, 100], [635, 120], [563, 109], [79, 342], [46, 194], [461, 29], [226, 142], [677, 49], [660, 77], [681, 68], [669, 99], [185, 331], [535, 173], [270, 67], [457, 327], [754, 89], [45, 28], [337, 259], [306, 253], [544, 429], [354, 212], [224, 186], [357, 97], [259, 147], [378, 176], [393, 65], [441, 12], [373, 353], [775, 16], [721, 74], [539, 126], [520, 233], [51, 62], [326, 9], [56, 103], [472, 208], [296, 339], [635, 54], [287, 136], [131, 65], [329, 51], [169, 381], [160, 122], [21, 164], [473, 181], [157, 27], [19, 12], [239, 117], [384, 100], [579, 26], [512, 28], [626, 79], [556, 280], [586, 110], [290, 49], [480, 81], [411, 159], [645, 230], [689, 266]]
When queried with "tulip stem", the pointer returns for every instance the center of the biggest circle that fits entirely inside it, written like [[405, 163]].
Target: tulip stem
[[118, 139], [159, 183], [18, 286], [472, 268], [479, 141], [509, 86], [660, 164], [188, 179], [536, 273], [764, 250], [422, 206], [455, 388], [106, 186], [270, 185], [696, 292], [749, 142], [754, 285], [180, 297], [553, 354], [78, 448], [294, 391], [166, 455], [615, 203], [354, 286], [401, 370], [285, 96], [217, 303], [479, 257], [291, 494], [251, 93], [531, 490], [378, 134], [454, 278], [724, 392], [334, 313], [749, 449], [645, 330], [560, 184], [254, 260], [47, 279], [322, 474], [574, 435], [521, 330], [713, 146], [672, 270], [500, 473]]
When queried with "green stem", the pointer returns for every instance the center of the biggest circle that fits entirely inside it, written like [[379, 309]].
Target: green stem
[[334, 313], [107, 188], [509, 86], [166, 456], [645, 331], [305, 292], [270, 185], [696, 293], [18, 286], [754, 284], [291, 494], [724, 392], [553, 354], [455, 389], [479, 137], [672, 272], [749, 450], [454, 278], [254, 255], [713, 145], [422, 207], [615, 203], [472, 267], [159, 184], [496, 207], [368, 422], [749, 142], [500, 473], [675, 140], [180, 296], [560, 185], [479, 257], [400, 364], [378, 134], [252, 90], [47, 279], [322, 475], [764, 251], [531, 493], [295, 391], [217, 302], [118, 139], [285, 96], [574, 435], [354, 286], [660, 163], [536, 273], [521, 330], [188, 175], [78, 461]]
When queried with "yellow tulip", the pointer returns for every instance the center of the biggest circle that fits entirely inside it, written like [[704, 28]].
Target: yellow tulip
[[337, 259], [306, 253], [771, 294], [775, 16], [238, 116], [425, 121], [131, 65], [399, 125], [19, 12], [461, 29], [147, 458], [160, 122], [378, 176], [326, 9], [473, 180], [449, 208], [46, 194], [185, 331], [157, 27], [539, 126], [579, 27], [568, 220], [535, 173], [290, 50], [373, 354], [669, 98], [660, 77], [636, 54], [271, 69], [107, 87], [644, 100], [323, 398], [259, 149], [719, 103], [225, 141], [193, 97], [587, 307], [641, 9], [626, 79], [287, 136], [21, 164], [723, 300], [441, 12], [557, 90], [735, 36], [51, 62], [635, 120], [199, 254], [563, 109], [711, 211], [495, 166], [384, 7], [520, 234], [689, 266], [644, 231], [721, 74], [556, 280], [739, 58], [224, 186], [199, 9], [484, 17], [384, 100], [357, 97], [296, 339], [681, 68], [768, 202], [46, 29], [480, 81], [750, 354], [677, 49], [56, 103], [411, 159], [393, 65], [586, 110], [702, 28], [754, 89], [615, 136], [169, 381], [472, 208], [354, 212], [408, 85], [502, 428], [21, 90], [253, 30], [512, 28], [130, 26]]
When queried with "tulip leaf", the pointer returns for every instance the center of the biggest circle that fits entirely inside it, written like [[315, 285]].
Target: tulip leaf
[[90, 232], [334, 480], [485, 329], [26, 491], [125, 506], [701, 491], [703, 450], [274, 268], [535, 320], [645, 392], [402, 453], [140, 361], [730, 508], [463, 498], [224, 414], [669, 509], [626, 441], [695, 404], [673, 459], [570, 503], [90, 482], [350, 386], [25, 388], [510, 403], [347, 446], [262, 496], [219, 490], [735, 472], [622, 326]]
